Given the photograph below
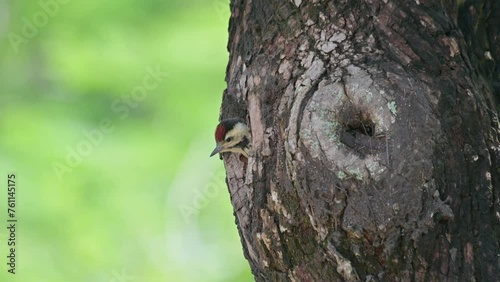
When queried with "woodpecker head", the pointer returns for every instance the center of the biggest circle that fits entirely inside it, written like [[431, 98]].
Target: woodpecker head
[[232, 135]]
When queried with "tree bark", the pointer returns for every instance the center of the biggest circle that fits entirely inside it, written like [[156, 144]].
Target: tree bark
[[375, 134]]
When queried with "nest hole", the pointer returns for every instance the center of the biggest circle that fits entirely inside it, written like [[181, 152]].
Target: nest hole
[[359, 134], [361, 124]]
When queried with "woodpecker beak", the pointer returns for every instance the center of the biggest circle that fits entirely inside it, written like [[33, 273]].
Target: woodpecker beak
[[216, 150]]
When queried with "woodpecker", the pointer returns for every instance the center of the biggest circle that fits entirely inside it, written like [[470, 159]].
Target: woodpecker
[[232, 135]]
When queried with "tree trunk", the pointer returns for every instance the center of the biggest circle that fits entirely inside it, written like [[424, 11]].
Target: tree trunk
[[375, 135]]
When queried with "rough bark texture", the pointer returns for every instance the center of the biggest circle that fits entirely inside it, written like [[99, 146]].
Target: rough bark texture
[[375, 136]]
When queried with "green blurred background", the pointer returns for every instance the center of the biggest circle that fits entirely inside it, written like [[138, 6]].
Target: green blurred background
[[143, 202]]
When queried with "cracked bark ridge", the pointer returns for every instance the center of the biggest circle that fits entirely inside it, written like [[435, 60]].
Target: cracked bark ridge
[[375, 135]]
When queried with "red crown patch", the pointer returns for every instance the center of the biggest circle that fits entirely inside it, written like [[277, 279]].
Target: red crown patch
[[220, 133]]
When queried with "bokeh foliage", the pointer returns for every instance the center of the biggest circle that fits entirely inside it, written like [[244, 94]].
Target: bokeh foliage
[[146, 203]]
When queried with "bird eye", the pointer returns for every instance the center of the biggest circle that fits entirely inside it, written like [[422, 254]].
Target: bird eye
[[228, 139]]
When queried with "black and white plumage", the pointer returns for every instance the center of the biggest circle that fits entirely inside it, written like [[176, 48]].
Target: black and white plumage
[[232, 135]]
